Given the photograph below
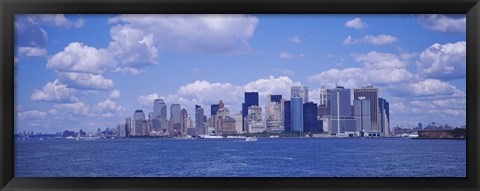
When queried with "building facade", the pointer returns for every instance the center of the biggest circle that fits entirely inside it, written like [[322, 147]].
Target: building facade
[[297, 114], [370, 93]]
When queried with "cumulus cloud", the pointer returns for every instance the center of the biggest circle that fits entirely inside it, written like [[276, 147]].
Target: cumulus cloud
[[295, 39], [288, 55], [31, 51], [379, 60], [32, 114], [114, 94], [374, 40], [56, 20], [128, 70], [107, 106], [86, 80], [132, 46], [433, 87], [443, 61], [77, 57], [444, 23], [356, 23], [193, 33], [147, 100], [54, 92], [78, 108]]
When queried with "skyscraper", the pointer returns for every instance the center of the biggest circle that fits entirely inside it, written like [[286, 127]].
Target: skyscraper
[[384, 111], [341, 111], [139, 122], [297, 114], [362, 115], [213, 109], [310, 122], [287, 117], [251, 98], [183, 120], [160, 109], [175, 115], [300, 91], [273, 113], [199, 120], [254, 121], [128, 126], [370, 93], [323, 96]]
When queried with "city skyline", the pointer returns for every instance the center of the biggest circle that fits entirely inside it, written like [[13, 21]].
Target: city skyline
[[91, 81]]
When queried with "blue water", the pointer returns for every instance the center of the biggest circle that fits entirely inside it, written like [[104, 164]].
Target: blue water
[[285, 157]]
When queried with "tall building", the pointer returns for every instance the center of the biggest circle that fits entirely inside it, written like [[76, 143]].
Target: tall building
[[340, 110], [238, 122], [370, 93], [213, 109], [273, 113], [227, 125], [297, 114], [160, 109], [384, 111], [175, 115], [199, 120], [139, 122], [362, 115], [323, 96], [287, 116], [183, 120], [254, 121], [300, 91], [310, 122], [128, 126], [251, 99]]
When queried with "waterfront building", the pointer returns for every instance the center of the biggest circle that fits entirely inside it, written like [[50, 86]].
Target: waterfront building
[[190, 122], [273, 113], [310, 121], [199, 120], [370, 93], [384, 111], [297, 114], [227, 125], [327, 121], [183, 120], [254, 121], [213, 109], [251, 99], [175, 114], [323, 97], [139, 122], [300, 91], [120, 130], [341, 116], [128, 126], [160, 109], [238, 122], [362, 115], [287, 117]]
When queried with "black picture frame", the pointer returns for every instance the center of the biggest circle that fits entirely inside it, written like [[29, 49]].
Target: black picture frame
[[8, 8]]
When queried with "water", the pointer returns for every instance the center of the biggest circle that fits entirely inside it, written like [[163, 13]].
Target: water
[[285, 157]]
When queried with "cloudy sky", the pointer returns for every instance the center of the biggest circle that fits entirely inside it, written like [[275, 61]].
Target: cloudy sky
[[89, 71]]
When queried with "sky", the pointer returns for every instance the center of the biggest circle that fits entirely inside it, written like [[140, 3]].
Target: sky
[[91, 71]]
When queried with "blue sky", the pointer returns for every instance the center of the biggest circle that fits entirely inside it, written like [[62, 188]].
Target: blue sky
[[89, 71]]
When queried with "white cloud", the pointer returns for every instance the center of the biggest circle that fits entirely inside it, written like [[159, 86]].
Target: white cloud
[[288, 55], [447, 61], [379, 60], [192, 33], [114, 94], [86, 80], [31, 51], [443, 23], [430, 87], [32, 114], [107, 106], [54, 92], [128, 70], [375, 40], [77, 57], [56, 20], [356, 23], [78, 108], [132, 46], [296, 39], [148, 99]]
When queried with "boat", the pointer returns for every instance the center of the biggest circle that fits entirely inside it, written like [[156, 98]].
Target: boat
[[251, 139], [236, 137], [342, 135]]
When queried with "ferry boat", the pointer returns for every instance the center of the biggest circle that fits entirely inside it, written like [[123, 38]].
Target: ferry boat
[[251, 139], [236, 137]]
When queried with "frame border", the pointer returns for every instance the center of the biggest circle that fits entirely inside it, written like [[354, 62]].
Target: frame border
[[8, 8]]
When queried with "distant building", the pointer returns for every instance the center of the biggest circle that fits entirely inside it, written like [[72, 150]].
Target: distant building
[[227, 125], [300, 91], [238, 122], [128, 126], [420, 126], [370, 93], [297, 114], [362, 115], [341, 116], [251, 99], [199, 120], [139, 123], [310, 122], [183, 121], [273, 113], [175, 115], [384, 116], [287, 116], [160, 109], [323, 97], [254, 121]]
